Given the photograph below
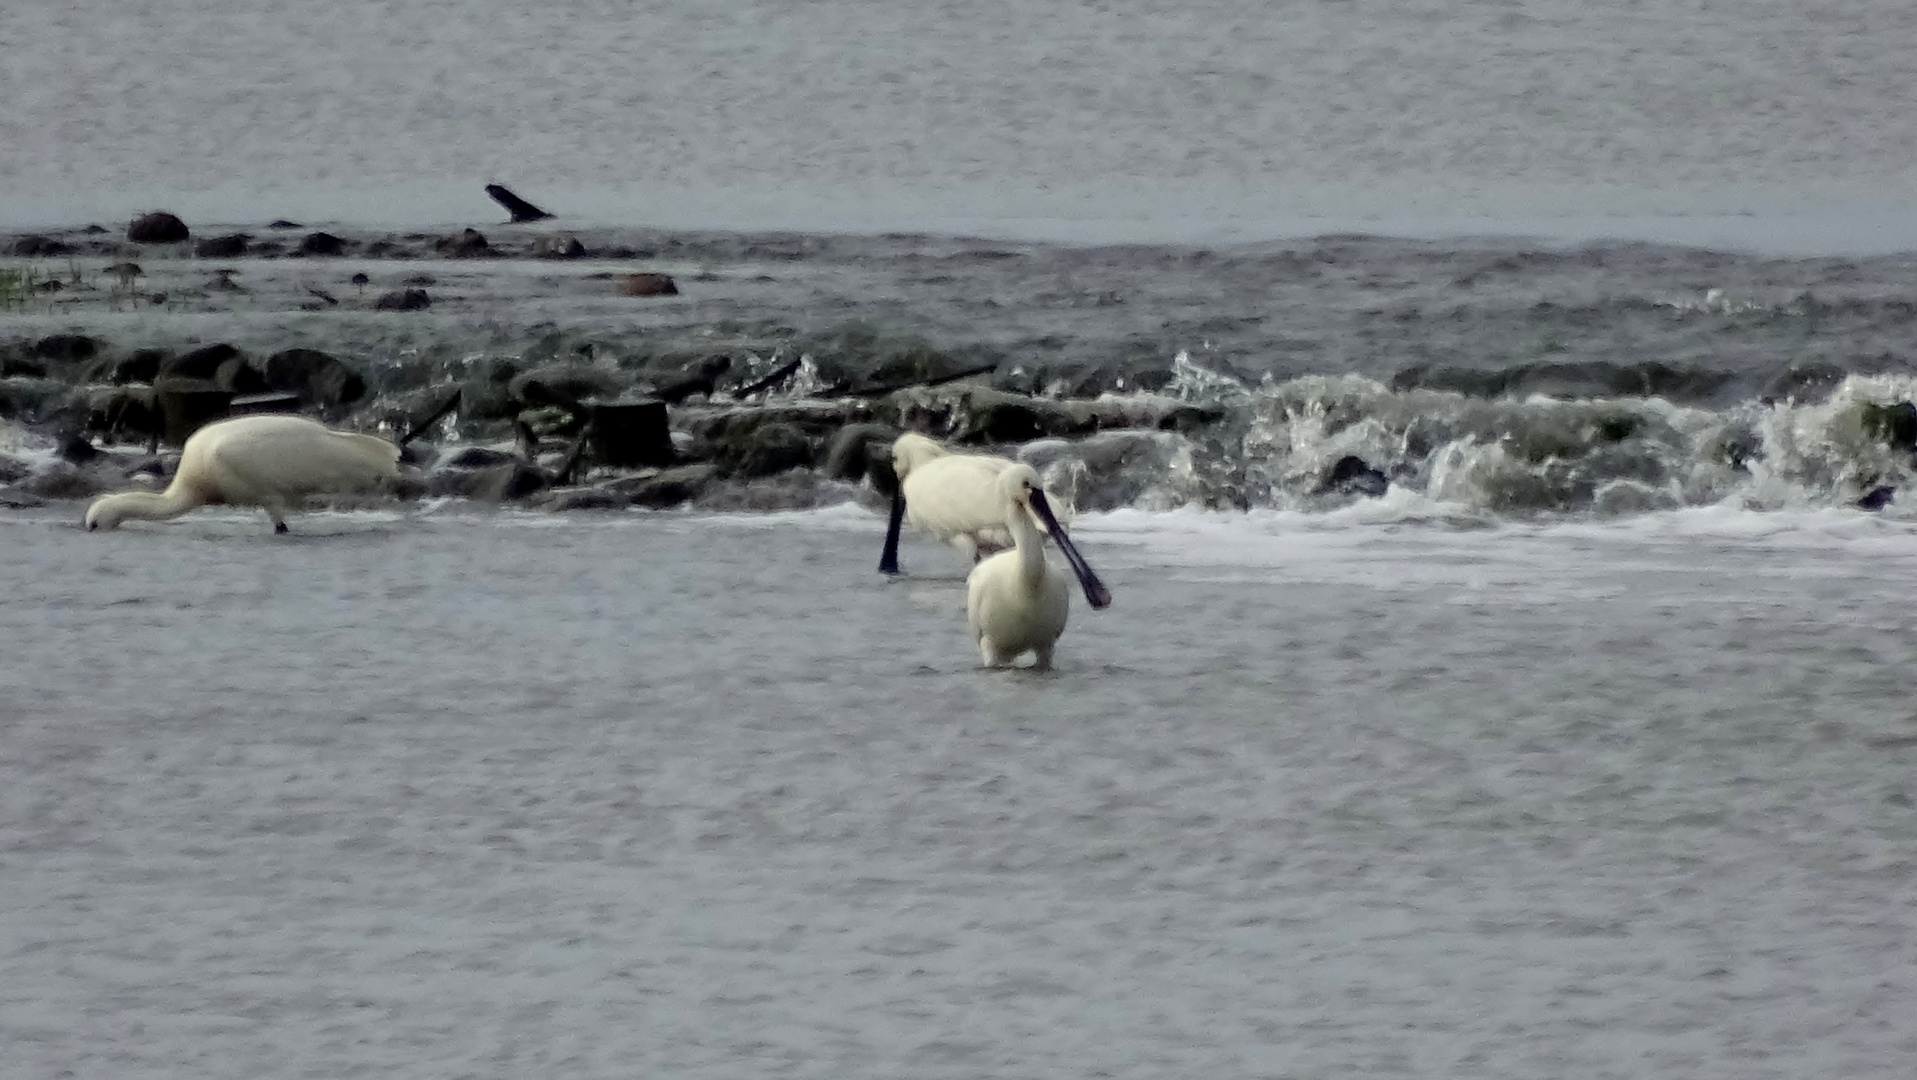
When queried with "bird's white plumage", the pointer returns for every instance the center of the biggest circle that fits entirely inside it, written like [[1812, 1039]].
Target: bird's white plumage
[[1017, 602], [955, 497], [274, 462]]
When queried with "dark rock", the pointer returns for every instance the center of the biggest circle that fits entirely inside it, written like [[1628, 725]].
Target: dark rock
[[704, 379], [764, 450], [1351, 475], [321, 243], [40, 247], [15, 365], [479, 457], [862, 451], [318, 378], [282, 223], [509, 482], [187, 405], [140, 365], [157, 228], [65, 348], [629, 434], [220, 364], [665, 488], [121, 414], [403, 300], [564, 385], [64, 482], [648, 285], [1736, 446], [1008, 418], [1893, 425], [1877, 498], [468, 244], [520, 209], [76, 449], [231, 246], [32, 400]]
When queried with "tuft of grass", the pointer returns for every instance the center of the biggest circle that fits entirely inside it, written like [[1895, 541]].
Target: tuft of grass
[[17, 286]]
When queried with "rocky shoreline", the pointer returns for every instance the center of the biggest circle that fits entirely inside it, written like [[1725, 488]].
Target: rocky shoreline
[[652, 411], [537, 365]]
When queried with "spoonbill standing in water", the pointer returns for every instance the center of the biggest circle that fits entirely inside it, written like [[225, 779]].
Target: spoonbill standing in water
[[1016, 601], [954, 497], [271, 461]]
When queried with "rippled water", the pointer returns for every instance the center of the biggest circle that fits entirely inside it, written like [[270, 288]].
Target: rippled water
[[1767, 121], [435, 793]]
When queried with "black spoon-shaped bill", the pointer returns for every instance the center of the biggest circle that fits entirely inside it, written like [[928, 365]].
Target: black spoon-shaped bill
[[1096, 594]]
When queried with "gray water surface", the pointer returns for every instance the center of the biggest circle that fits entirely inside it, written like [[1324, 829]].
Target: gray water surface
[[1769, 122], [444, 794]]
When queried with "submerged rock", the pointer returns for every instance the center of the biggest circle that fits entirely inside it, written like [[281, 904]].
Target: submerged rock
[[1877, 498], [40, 247], [479, 457], [1893, 425], [231, 246], [764, 449], [469, 243], [1352, 475], [1802, 384], [648, 285], [558, 247], [508, 481], [403, 300], [664, 488], [560, 500]]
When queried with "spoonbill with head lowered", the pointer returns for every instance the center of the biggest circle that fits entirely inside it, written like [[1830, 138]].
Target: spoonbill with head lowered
[[271, 461], [1016, 602], [954, 497]]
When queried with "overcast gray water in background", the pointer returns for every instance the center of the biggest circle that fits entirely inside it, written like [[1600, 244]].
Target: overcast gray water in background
[[1767, 122], [424, 795]]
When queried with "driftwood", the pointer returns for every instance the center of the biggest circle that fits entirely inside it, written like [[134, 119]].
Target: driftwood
[[520, 209], [779, 375], [888, 388], [272, 401]]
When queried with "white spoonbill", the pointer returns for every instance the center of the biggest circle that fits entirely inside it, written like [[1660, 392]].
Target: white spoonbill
[[271, 461], [954, 497], [1016, 601]]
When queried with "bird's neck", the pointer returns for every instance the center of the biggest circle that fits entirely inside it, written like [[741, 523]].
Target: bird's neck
[[152, 505], [1029, 542]]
